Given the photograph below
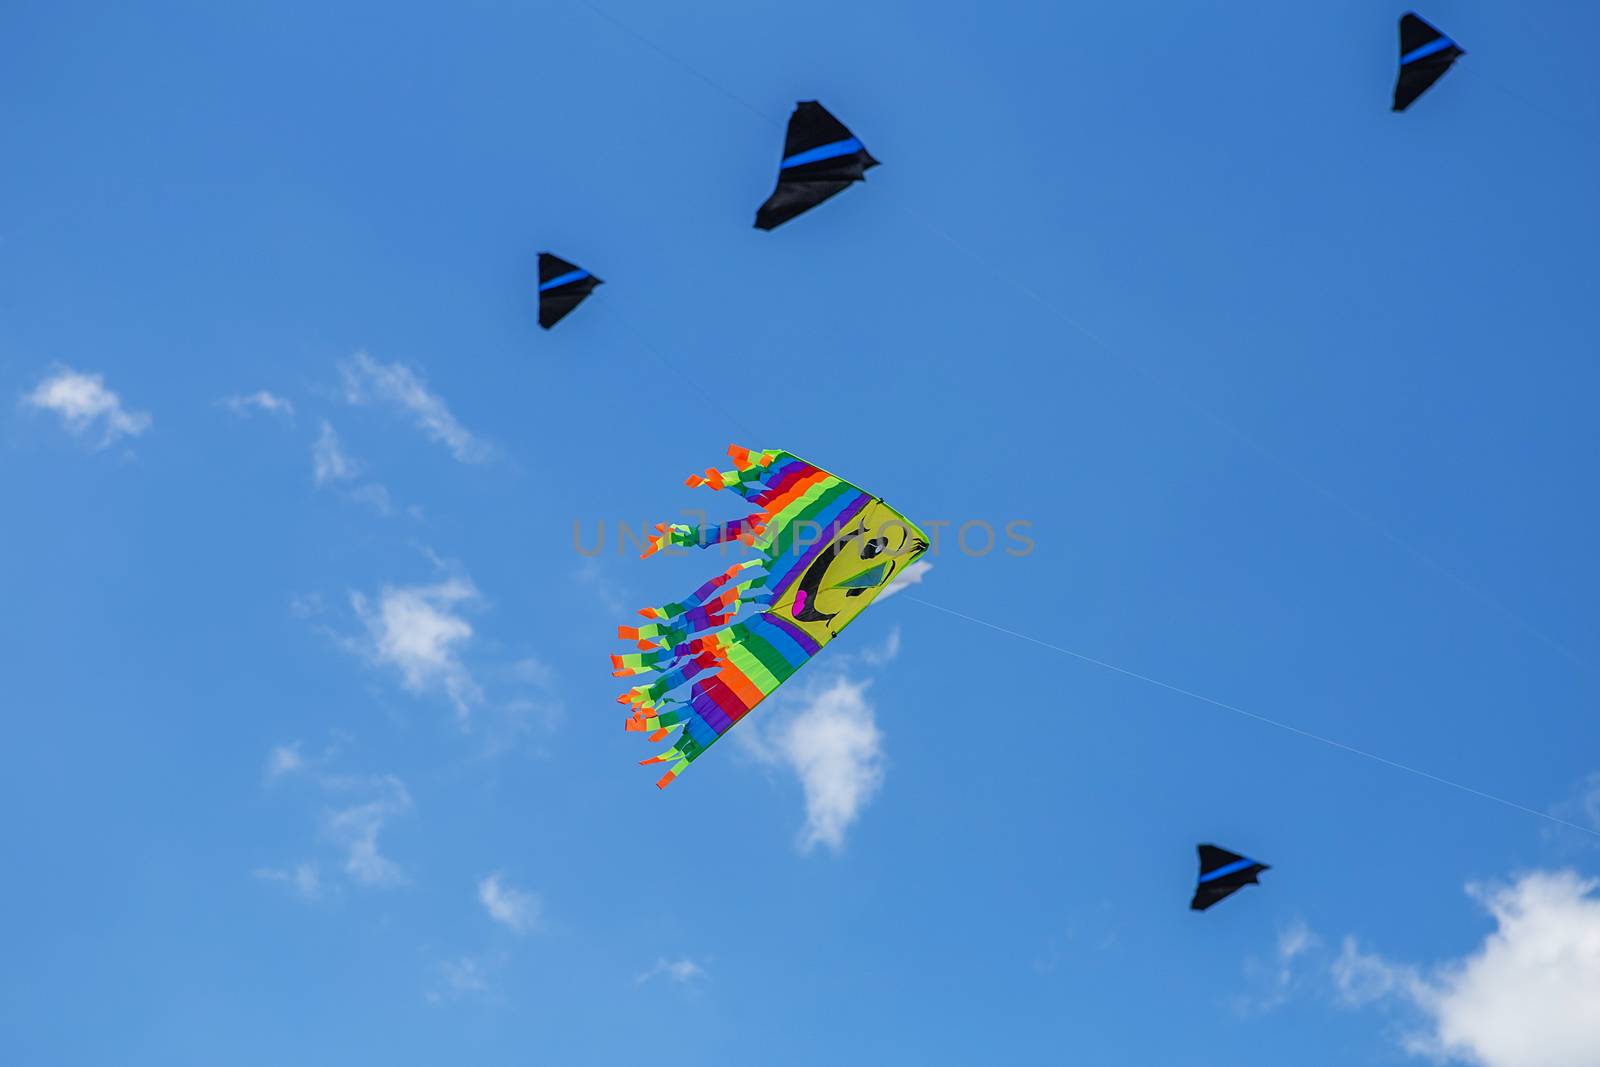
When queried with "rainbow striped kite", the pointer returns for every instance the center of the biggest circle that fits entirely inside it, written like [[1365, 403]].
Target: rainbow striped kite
[[826, 550]]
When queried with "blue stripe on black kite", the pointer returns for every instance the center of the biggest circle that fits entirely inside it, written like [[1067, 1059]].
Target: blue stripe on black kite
[[1222, 873], [562, 287], [1425, 54], [821, 158]]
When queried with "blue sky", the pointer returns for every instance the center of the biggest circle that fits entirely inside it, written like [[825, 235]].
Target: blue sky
[[313, 754]]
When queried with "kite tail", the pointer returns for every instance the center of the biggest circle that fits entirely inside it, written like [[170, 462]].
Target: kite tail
[[712, 710], [695, 599], [727, 667], [678, 534], [750, 469], [660, 723], [684, 672], [728, 672], [659, 720], [662, 661], [694, 622]]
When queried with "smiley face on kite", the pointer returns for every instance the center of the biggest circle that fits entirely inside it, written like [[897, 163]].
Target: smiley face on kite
[[860, 559]]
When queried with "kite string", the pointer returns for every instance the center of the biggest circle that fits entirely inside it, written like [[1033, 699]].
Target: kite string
[[1177, 394], [754, 109], [1536, 106], [1265, 720], [751, 436], [1237, 432], [1264, 453]]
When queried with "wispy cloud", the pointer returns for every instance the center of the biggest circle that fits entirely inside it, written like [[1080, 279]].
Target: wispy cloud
[[907, 578], [1277, 980], [331, 464], [375, 496], [877, 657], [395, 384], [302, 879], [467, 976], [1364, 978], [243, 404], [355, 810], [329, 461], [355, 828], [1582, 805], [528, 709], [87, 407], [307, 605], [418, 630], [284, 759], [516, 909], [601, 586], [1294, 941], [681, 970], [1525, 998]]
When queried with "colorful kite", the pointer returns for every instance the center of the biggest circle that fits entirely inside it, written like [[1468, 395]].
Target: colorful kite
[[826, 550], [1222, 874], [562, 287], [821, 158], [1425, 54]]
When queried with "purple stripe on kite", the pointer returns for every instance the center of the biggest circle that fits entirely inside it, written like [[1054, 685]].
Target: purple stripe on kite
[[782, 481], [832, 516], [711, 712], [699, 595], [729, 701], [784, 643], [698, 620], [670, 681], [790, 630], [831, 520]]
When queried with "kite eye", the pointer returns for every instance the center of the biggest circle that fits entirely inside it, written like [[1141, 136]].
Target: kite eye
[[871, 549]]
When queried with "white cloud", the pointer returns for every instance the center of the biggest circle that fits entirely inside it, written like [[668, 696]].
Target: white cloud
[[306, 605], [417, 630], [302, 879], [399, 386], [329, 461], [84, 403], [284, 759], [907, 578], [515, 908], [1275, 980], [1591, 800], [530, 670], [1364, 978], [1294, 941], [375, 496], [601, 585], [260, 400], [525, 711], [832, 743], [1526, 997], [357, 810], [678, 970], [462, 977], [521, 721], [1583, 806], [877, 657], [355, 829]]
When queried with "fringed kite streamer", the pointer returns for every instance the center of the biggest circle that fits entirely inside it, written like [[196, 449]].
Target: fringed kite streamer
[[825, 549]]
